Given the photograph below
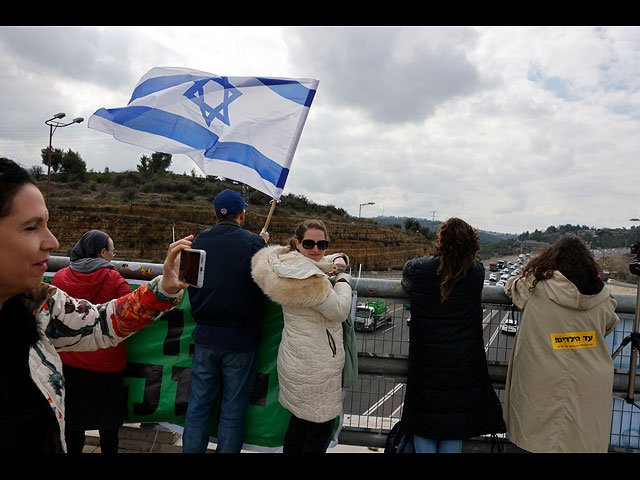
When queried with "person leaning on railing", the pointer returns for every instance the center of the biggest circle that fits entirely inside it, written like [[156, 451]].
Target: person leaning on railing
[[449, 394], [39, 320], [560, 376]]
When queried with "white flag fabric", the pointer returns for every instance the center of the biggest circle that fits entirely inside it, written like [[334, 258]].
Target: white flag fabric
[[242, 128]]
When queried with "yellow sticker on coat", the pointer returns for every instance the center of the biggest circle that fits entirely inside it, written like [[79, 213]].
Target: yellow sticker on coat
[[561, 341]]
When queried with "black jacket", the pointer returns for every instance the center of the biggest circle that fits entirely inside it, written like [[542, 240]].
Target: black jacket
[[449, 392], [229, 296]]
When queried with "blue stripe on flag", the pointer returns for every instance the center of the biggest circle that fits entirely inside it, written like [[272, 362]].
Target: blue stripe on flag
[[156, 84], [290, 89], [188, 132]]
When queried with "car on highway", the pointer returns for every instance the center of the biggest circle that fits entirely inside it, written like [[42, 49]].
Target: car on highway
[[500, 284], [509, 326], [487, 282]]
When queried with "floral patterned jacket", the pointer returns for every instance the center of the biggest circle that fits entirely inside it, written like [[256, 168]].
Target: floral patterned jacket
[[68, 324]]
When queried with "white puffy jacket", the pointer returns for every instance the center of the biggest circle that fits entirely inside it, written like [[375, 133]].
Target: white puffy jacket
[[311, 353]]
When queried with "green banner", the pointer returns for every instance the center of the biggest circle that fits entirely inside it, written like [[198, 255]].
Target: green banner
[[157, 378], [158, 370]]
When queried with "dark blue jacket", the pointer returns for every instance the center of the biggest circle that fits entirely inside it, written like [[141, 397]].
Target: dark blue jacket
[[229, 296], [449, 392]]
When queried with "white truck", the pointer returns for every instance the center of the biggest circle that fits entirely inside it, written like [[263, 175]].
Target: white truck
[[371, 316]]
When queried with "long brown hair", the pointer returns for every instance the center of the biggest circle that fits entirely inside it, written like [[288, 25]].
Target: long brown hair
[[571, 257], [457, 245], [302, 229]]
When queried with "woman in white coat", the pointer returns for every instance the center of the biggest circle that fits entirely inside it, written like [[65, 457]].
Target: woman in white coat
[[311, 353]]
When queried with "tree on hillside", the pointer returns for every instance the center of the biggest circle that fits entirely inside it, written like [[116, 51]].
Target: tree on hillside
[[36, 171], [156, 164], [68, 163], [73, 166], [411, 225], [56, 158]]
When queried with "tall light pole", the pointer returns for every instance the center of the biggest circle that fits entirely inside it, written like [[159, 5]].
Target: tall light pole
[[359, 214], [362, 205], [53, 125]]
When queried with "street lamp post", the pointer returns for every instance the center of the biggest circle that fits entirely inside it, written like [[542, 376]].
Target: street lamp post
[[362, 205], [53, 125], [359, 214]]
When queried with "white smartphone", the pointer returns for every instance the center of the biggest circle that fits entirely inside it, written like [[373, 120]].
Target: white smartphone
[[192, 267]]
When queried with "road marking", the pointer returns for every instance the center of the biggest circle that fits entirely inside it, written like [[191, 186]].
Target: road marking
[[493, 336], [380, 402]]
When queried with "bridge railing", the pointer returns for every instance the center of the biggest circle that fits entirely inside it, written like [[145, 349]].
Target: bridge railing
[[375, 402]]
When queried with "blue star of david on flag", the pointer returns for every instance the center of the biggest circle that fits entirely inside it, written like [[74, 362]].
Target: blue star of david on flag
[[196, 94], [184, 111]]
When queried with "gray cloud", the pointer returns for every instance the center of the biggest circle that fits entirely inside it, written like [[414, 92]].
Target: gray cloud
[[69, 53], [510, 128], [394, 75]]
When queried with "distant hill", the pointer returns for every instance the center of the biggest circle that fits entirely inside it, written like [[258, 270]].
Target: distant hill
[[168, 200], [486, 237], [142, 213]]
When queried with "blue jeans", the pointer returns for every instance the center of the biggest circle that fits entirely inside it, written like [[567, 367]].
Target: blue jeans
[[428, 445], [212, 371]]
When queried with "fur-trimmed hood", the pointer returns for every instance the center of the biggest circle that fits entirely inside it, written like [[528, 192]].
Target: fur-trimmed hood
[[291, 279]]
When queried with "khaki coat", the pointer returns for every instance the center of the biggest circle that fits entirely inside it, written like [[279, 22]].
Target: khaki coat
[[558, 393]]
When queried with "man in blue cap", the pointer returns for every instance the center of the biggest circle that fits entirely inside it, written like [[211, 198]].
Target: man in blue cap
[[227, 310]]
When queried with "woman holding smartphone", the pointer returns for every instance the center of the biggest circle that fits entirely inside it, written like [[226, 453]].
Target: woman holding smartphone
[[40, 320], [311, 353]]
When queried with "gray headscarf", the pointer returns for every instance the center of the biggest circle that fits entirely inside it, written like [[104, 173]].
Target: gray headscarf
[[84, 255]]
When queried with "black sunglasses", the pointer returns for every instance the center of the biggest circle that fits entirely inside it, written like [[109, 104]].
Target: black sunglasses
[[309, 244]]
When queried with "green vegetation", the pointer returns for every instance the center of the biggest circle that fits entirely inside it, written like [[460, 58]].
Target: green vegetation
[[154, 184], [69, 165]]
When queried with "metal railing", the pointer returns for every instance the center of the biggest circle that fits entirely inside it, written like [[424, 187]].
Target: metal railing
[[375, 402]]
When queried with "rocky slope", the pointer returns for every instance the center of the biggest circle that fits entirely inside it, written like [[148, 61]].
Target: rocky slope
[[142, 232]]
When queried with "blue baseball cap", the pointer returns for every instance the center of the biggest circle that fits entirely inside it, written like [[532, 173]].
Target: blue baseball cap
[[228, 202]]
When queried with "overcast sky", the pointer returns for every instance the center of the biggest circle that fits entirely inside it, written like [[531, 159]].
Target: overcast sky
[[509, 128]]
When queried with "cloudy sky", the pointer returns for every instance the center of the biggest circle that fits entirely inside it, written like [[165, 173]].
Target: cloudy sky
[[509, 128]]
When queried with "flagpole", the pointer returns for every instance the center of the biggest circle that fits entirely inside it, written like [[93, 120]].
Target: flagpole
[[273, 206]]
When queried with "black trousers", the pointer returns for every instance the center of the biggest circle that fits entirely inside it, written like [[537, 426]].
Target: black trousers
[[108, 440], [303, 436]]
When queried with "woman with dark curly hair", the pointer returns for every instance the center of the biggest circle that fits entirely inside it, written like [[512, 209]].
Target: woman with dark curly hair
[[449, 393], [560, 377]]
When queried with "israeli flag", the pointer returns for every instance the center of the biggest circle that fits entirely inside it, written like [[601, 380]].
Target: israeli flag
[[243, 128]]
